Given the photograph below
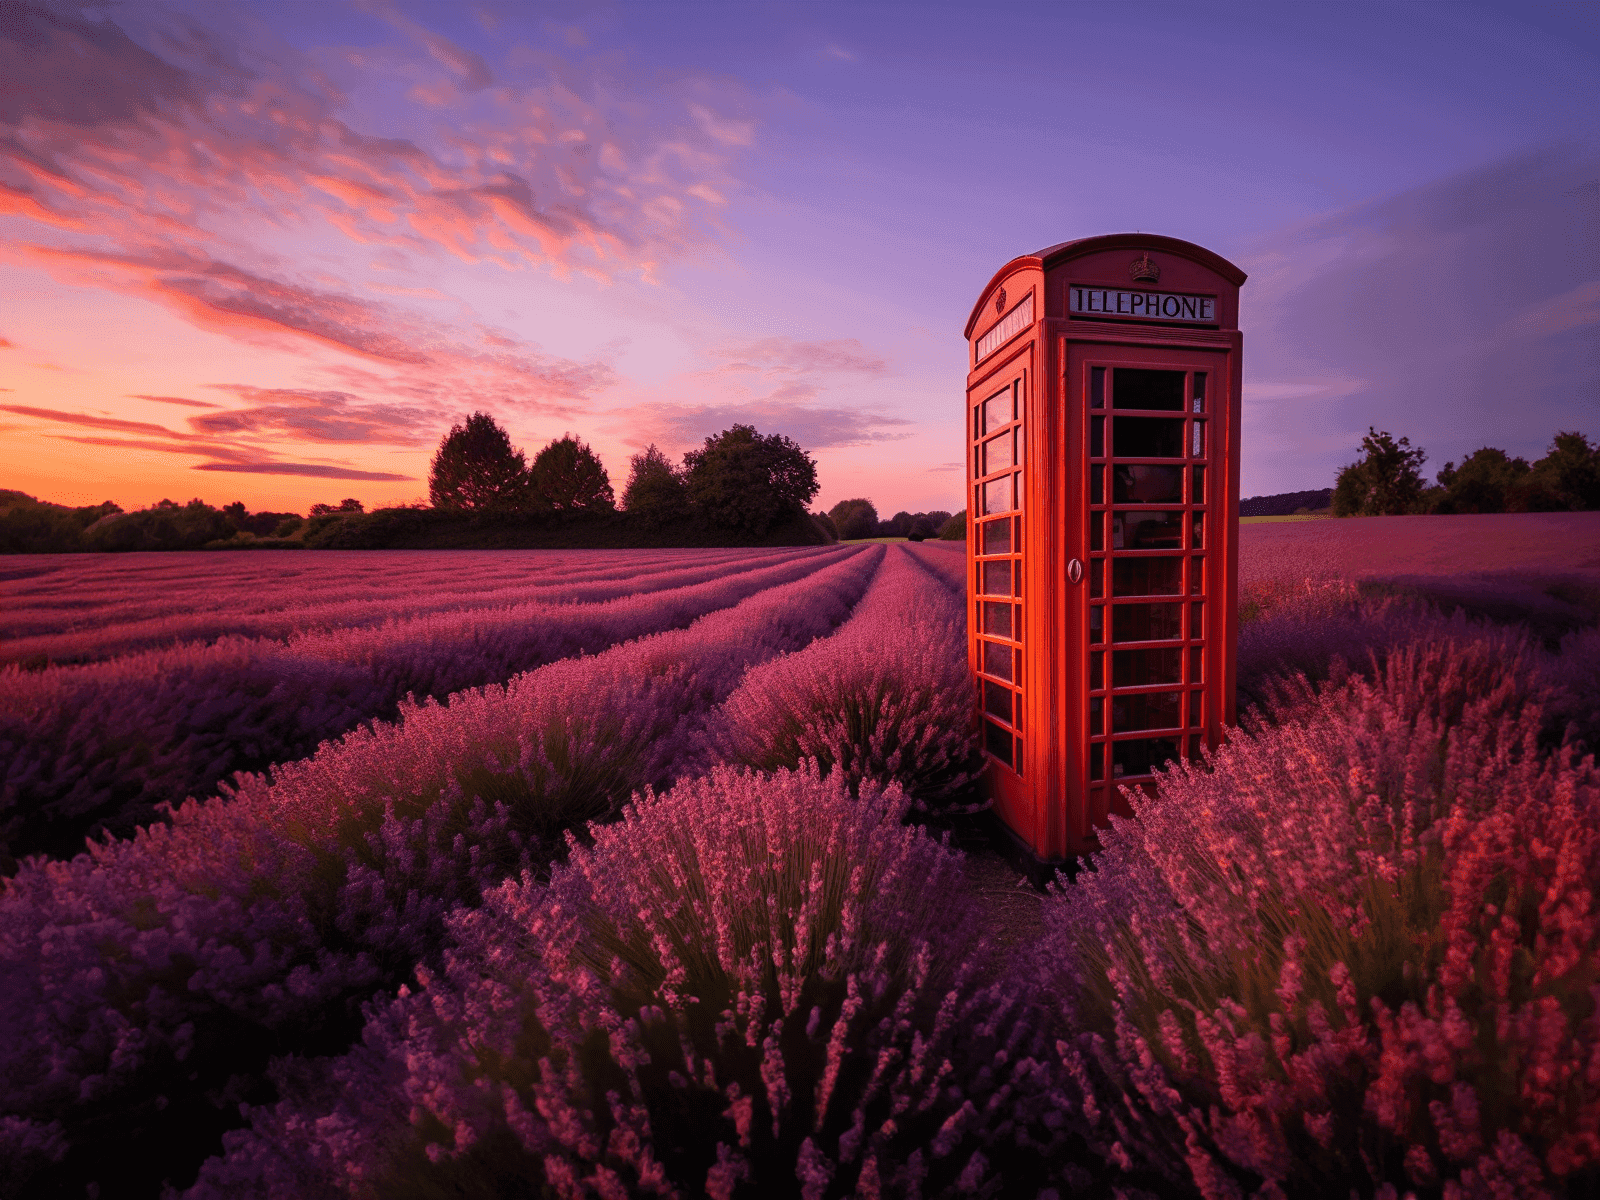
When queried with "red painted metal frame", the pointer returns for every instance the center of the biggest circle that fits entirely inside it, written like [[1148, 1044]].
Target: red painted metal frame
[[1049, 802]]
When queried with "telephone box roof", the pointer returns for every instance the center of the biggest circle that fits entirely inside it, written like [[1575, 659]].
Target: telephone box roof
[[1052, 256]]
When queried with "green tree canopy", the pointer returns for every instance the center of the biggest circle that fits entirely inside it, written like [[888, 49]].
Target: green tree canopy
[[655, 489], [1386, 482], [748, 481], [955, 528], [476, 468], [855, 518], [1483, 483], [567, 476]]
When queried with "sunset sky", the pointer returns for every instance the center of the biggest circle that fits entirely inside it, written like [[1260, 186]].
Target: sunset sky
[[272, 251]]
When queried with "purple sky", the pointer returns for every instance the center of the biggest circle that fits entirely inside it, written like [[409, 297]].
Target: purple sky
[[272, 251]]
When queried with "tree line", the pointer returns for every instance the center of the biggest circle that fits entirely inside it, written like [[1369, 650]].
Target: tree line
[[1388, 480], [740, 480], [850, 520]]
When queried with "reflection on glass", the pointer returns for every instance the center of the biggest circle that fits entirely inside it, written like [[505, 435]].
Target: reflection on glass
[[1199, 391], [996, 577], [997, 454], [997, 742], [1132, 484], [997, 660], [997, 700], [1146, 437], [1097, 756], [1146, 622], [997, 495], [1136, 668], [1021, 441], [996, 412], [1097, 387], [1197, 576], [1146, 576], [997, 537], [1096, 624], [1097, 577], [1139, 388], [1141, 755], [1147, 531], [1097, 437], [1198, 449], [1145, 710], [1197, 540], [1199, 485], [997, 619], [1097, 484]]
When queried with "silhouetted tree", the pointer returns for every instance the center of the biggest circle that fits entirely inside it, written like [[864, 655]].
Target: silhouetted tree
[[937, 518], [566, 475], [955, 529], [921, 529], [857, 518], [1387, 482], [349, 505], [1569, 474], [1483, 483], [476, 468], [748, 481], [655, 490]]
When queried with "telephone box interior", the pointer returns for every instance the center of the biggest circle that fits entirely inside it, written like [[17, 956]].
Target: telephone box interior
[[1102, 551]]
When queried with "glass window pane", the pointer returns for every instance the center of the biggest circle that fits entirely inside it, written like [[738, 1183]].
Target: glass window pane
[[997, 537], [1017, 766], [1146, 437], [997, 454], [1133, 484], [997, 495], [1097, 578], [997, 700], [1197, 539], [1199, 404], [1097, 437], [996, 579], [1096, 676], [1097, 531], [1194, 746], [997, 660], [1147, 531], [1097, 387], [1137, 388], [1197, 448], [1016, 491], [1137, 668], [1145, 710], [1197, 711], [1146, 622], [1096, 714], [1097, 758], [997, 742], [1097, 623], [1097, 484], [1146, 576], [1197, 576], [1199, 485], [997, 411], [1197, 656], [1021, 442], [997, 619], [1197, 621], [1141, 756]]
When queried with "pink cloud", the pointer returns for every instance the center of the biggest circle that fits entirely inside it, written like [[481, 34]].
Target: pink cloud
[[178, 400], [291, 414], [52, 414], [315, 470], [793, 355]]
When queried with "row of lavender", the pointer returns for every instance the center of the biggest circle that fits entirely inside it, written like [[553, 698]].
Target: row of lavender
[[102, 745], [1353, 952], [1327, 960]]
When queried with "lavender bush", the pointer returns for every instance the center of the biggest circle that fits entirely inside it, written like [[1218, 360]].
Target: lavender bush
[[102, 746], [752, 985], [149, 980], [887, 697], [1356, 949]]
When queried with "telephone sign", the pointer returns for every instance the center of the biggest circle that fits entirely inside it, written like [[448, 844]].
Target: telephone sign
[[1102, 548]]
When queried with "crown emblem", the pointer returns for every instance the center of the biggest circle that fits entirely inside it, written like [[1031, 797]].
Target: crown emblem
[[1143, 269], [1000, 300]]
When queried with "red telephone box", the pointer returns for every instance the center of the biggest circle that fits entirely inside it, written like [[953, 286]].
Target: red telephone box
[[1102, 543]]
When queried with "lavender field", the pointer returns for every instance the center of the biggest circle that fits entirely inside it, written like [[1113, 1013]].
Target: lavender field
[[654, 873]]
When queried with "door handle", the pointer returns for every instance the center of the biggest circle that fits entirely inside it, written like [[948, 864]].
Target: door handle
[[1074, 571]]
